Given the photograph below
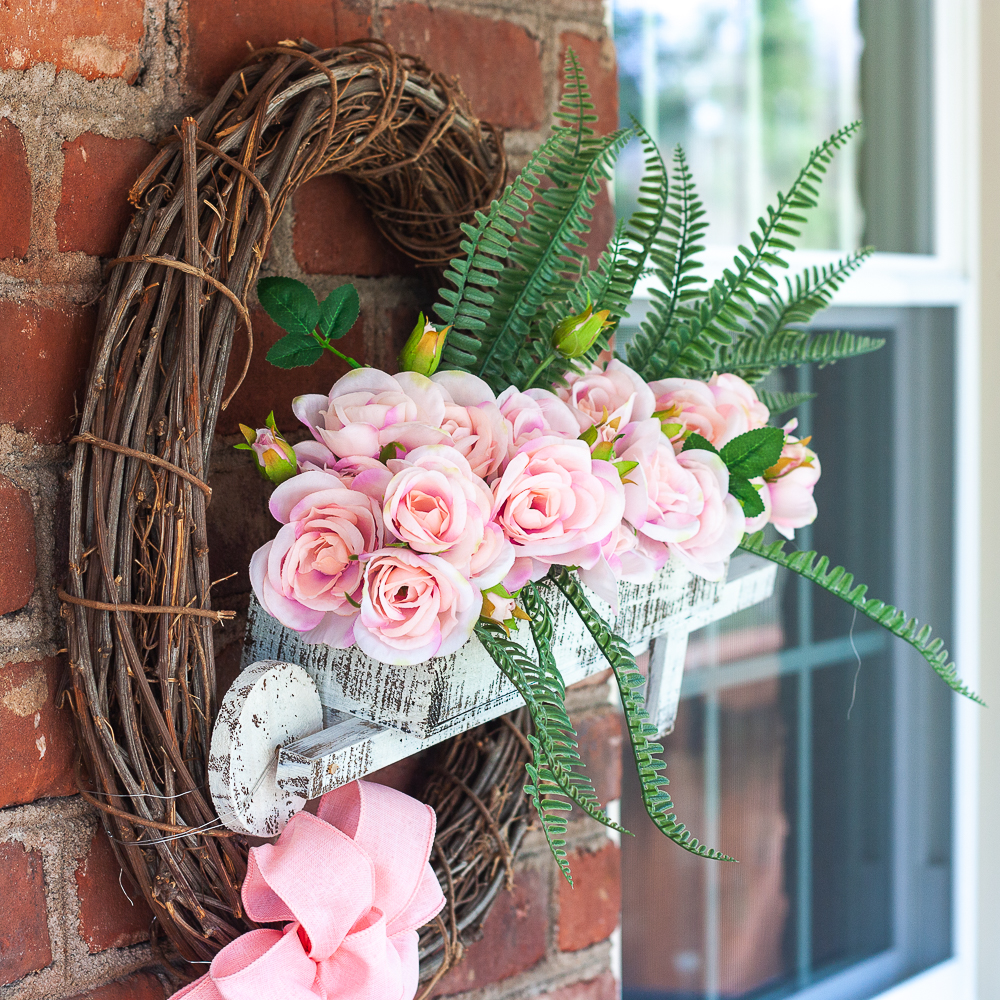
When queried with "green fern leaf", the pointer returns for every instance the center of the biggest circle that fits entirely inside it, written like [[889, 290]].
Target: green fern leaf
[[675, 265], [555, 782], [840, 583], [630, 685], [781, 402], [576, 108], [731, 299], [753, 359]]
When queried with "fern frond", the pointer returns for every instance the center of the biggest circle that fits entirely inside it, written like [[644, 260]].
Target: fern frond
[[777, 315], [550, 691], [731, 303], [753, 359], [576, 108], [549, 243], [840, 583], [630, 685], [675, 265], [612, 283], [555, 784], [468, 306], [781, 402]]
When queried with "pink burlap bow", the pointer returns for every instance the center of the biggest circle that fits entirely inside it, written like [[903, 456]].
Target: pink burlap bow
[[356, 884]]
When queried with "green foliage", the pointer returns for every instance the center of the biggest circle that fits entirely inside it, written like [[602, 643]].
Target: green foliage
[[781, 402], [555, 780], [682, 342], [753, 359], [525, 256], [841, 583], [310, 325], [772, 337], [747, 456], [675, 265], [630, 685]]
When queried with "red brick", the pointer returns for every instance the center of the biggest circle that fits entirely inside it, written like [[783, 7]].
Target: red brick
[[24, 930], [95, 39], [107, 918], [513, 937], [604, 987], [97, 174], [141, 986], [600, 733], [498, 64], [17, 529], [218, 30], [15, 192], [36, 752], [268, 388], [597, 59], [335, 234], [45, 359], [588, 910]]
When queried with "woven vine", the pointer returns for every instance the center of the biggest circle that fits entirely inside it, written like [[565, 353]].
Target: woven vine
[[138, 595]]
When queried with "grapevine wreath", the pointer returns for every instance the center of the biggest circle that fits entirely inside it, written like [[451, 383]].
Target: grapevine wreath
[[525, 311], [138, 598]]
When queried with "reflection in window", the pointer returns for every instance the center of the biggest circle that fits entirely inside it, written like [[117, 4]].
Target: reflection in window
[[748, 87], [809, 744]]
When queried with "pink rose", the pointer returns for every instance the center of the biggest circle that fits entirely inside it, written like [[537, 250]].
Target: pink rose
[[603, 395], [662, 496], [310, 576], [414, 607], [790, 485], [720, 516], [536, 413], [556, 505], [497, 608], [367, 410], [685, 406], [719, 411], [738, 404], [436, 504], [473, 421]]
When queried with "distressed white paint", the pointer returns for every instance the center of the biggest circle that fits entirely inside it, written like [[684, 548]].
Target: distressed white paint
[[464, 689], [751, 580], [270, 704], [411, 708]]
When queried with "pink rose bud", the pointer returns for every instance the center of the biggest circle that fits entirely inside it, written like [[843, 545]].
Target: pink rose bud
[[275, 457], [422, 352]]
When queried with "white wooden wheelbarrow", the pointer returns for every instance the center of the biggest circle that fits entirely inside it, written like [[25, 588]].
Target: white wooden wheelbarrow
[[302, 719]]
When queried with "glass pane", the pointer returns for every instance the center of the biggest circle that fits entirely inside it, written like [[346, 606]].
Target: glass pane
[[809, 744], [749, 87]]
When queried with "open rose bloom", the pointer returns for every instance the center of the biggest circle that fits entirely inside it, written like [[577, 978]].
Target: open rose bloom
[[416, 495]]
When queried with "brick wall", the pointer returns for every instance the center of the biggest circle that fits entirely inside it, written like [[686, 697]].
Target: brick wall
[[86, 90]]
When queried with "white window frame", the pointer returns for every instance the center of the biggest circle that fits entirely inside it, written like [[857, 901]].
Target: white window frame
[[950, 278]]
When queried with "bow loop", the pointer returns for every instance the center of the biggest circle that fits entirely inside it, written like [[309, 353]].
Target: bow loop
[[397, 833], [356, 883]]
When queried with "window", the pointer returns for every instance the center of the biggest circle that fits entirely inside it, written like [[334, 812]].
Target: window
[[853, 833]]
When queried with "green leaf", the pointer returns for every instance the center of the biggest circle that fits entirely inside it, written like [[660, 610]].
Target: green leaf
[[631, 685], [290, 304], [781, 402], [338, 312], [840, 583], [295, 351], [747, 494], [695, 442], [751, 454]]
